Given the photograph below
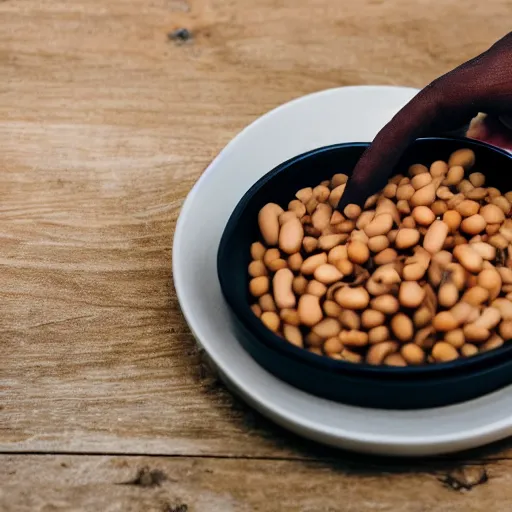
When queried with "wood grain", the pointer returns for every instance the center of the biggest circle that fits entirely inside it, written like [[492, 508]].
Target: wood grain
[[158, 484], [105, 124]]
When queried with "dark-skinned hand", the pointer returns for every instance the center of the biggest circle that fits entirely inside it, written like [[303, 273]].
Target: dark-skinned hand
[[483, 84]]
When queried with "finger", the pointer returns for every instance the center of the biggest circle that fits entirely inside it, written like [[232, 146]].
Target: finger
[[378, 161]]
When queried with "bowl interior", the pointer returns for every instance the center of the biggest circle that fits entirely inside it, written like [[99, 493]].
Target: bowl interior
[[281, 184]]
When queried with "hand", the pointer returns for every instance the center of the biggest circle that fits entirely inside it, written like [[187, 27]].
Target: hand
[[483, 84]]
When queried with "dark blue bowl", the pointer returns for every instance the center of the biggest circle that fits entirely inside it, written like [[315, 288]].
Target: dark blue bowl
[[359, 384]]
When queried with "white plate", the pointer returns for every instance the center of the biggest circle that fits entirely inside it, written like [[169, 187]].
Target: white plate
[[336, 115]]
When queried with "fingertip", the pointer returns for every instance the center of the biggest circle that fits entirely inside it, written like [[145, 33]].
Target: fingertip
[[355, 193]]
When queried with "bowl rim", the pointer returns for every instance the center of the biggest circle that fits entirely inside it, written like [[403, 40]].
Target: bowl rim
[[244, 314]]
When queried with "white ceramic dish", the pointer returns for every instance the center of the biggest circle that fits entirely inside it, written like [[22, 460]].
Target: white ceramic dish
[[336, 115]]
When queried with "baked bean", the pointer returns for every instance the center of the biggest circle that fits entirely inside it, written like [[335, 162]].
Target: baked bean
[[378, 243], [423, 215], [352, 298], [416, 169], [414, 271], [286, 216], [425, 196], [402, 327], [448, 295], [321, 193], [505, 329], [463, 157], [503, 203], [353, 338], [468, 258], [461, 312], [267, 302], [467, 208], [346, 267], [259, 286], [413, 354], [386, 256], [494, 342], [443, 352], [327, 328], [405, 192], [290, 316], [468, 350], [380, 225], [297, 207], [403, 207], [438, 168], [411, 294], [327, 274], [321, 217], [477, 179], [475, 295], [257, 251], [257, 268], [422, 317], [352, 211], [455, 338], [372, 318], [487, 251], [338, 179], [328, 242], [271, 320], [277, 264], [309, 310], [295, 261], [358, 252], [378, 352], [299, 285], [256, 309], [475, 334], [492, 214], [490, 279], [333, 345], [476, 193], [304, 194], [378, 334], [444, 321], [435, 236], [421, 180], [317, 288], [464, 186], [337, 253], [310, 244], [332, 309], [312, 263], [335, 196], [387, 304], [394, 360], [282, 288], [439, 207], [454, 175], [473, 225], [350, 319], [271, 255], [293, 335]]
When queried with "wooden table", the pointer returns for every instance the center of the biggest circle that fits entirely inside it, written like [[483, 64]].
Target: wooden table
[[108, 115]]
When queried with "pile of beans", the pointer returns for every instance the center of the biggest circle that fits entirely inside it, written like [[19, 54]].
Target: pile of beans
[[422, 274]]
